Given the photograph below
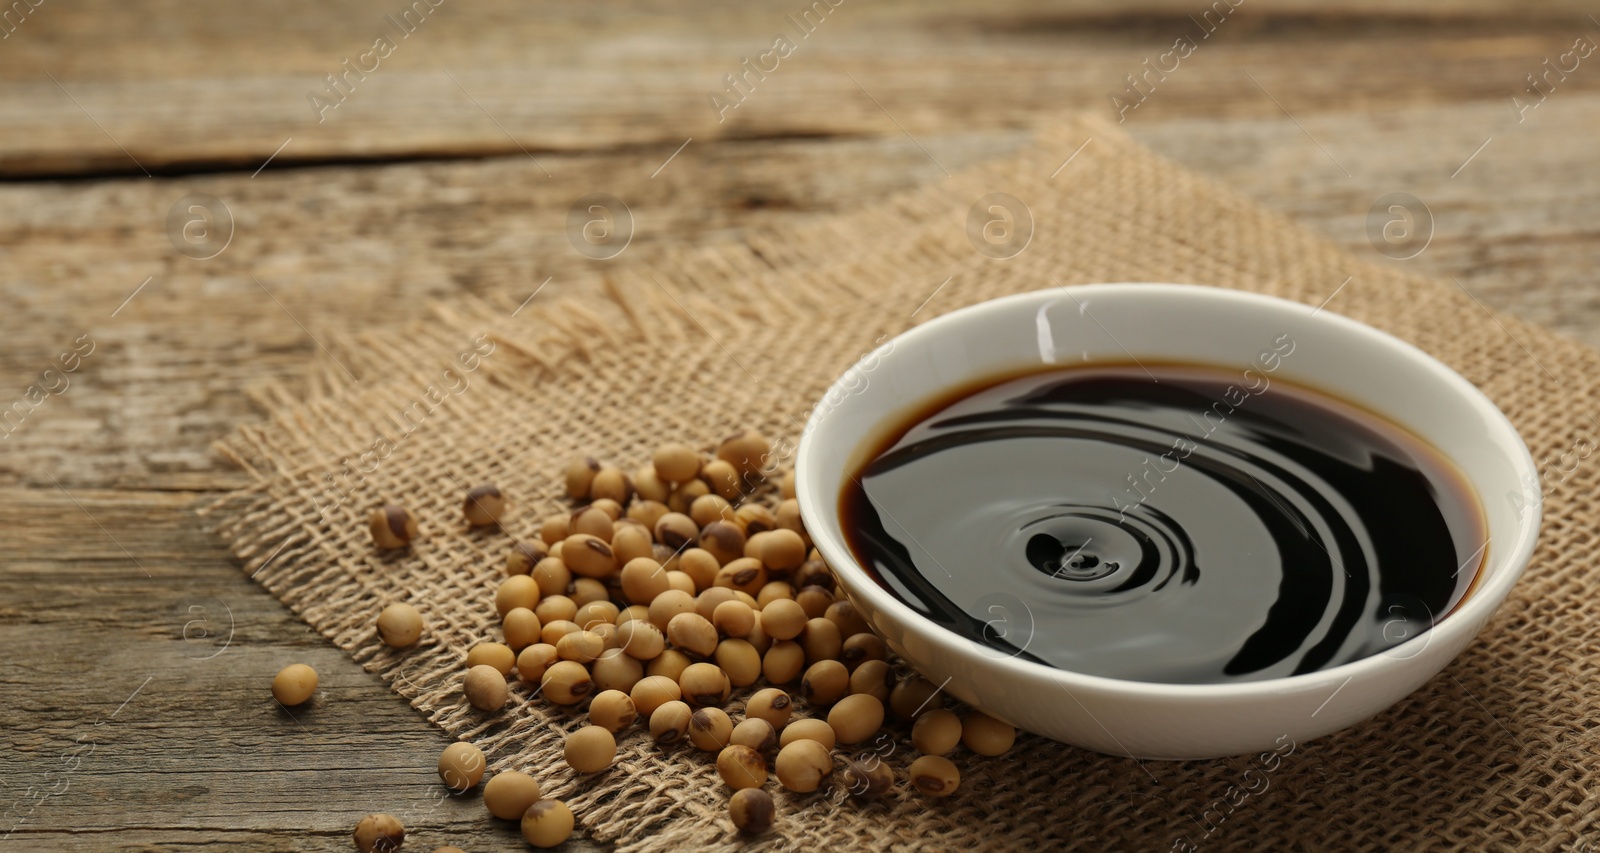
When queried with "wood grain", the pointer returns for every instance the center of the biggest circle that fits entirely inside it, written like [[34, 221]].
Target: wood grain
[[425, 184], [492, 79]]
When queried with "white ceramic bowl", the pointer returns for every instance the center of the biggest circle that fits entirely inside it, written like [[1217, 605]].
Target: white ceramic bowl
[[1183, 323]]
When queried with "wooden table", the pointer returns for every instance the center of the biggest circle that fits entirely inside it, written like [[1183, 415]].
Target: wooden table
[[137, 656]]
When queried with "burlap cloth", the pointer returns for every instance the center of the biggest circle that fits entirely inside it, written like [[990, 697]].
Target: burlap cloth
[[1497, 752]]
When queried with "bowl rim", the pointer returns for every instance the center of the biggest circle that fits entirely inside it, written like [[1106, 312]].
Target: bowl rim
[[1473, 612]]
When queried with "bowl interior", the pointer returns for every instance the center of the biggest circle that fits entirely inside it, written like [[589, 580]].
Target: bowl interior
[[1173, 323]]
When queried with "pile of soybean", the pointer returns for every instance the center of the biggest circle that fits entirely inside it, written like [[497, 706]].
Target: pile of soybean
[[656, 597]]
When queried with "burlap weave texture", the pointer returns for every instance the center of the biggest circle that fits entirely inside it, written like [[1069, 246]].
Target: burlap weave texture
[[1497, 752]]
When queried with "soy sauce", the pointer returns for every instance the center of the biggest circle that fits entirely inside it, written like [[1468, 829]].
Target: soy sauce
[[1166, 523]]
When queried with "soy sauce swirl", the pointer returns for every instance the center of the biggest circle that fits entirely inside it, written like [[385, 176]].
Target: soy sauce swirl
[[1151, 534]]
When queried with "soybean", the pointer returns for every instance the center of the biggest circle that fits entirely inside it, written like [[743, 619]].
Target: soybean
[[780, 549], [589, 556], [555, 608], [752, 811], [516, 591], [589, 591], [700, 564], [642, 580], [710, 729], [741, 767], [770, 704], [294, 684], [648, 484], [566, 682], [856, 718], [936, 732], [547, 823], [873, 678], [814, 600], [507, 795], [783, 619], [399, 625], [671, 664], [590, 749], [814, 572], [808, 728], [595, 612], [693, 633], [555, 629], [986, 735], [824, 683], [773, 591], [616, 671], [682, 498], [497, 655], [580, 475], [802, 765], [676, 530], [746, 451], [758, 638], [521, 628], [913, 696], [484, 505], [704, 684], [788, 517], [379, 833], [722, 478], [934, 775], [611, 484], [739, 661], [676, 463], [722, 539], [861, 648], [756, 518], [631, 542], [670, 722], [708, 600], [783, 662], [461, 766], [609, 506], [640, 639], [534, 660], [756, 733], [612, 710], [554, 529], [744, 575], [709, 508], [485, 688], [607, 632], [649, 511], [734, 618], [581, 646], [843, 614], [524, 556], [821, 640], [867, 779], [551, 576], [653, 691], [392, 527], [668, 605]]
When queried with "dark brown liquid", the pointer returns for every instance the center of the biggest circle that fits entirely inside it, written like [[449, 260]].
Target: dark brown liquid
[[1209, 527]]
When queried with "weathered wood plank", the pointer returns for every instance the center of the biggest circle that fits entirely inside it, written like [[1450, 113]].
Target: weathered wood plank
[[340, 248], [137, 709], [494, 79]]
